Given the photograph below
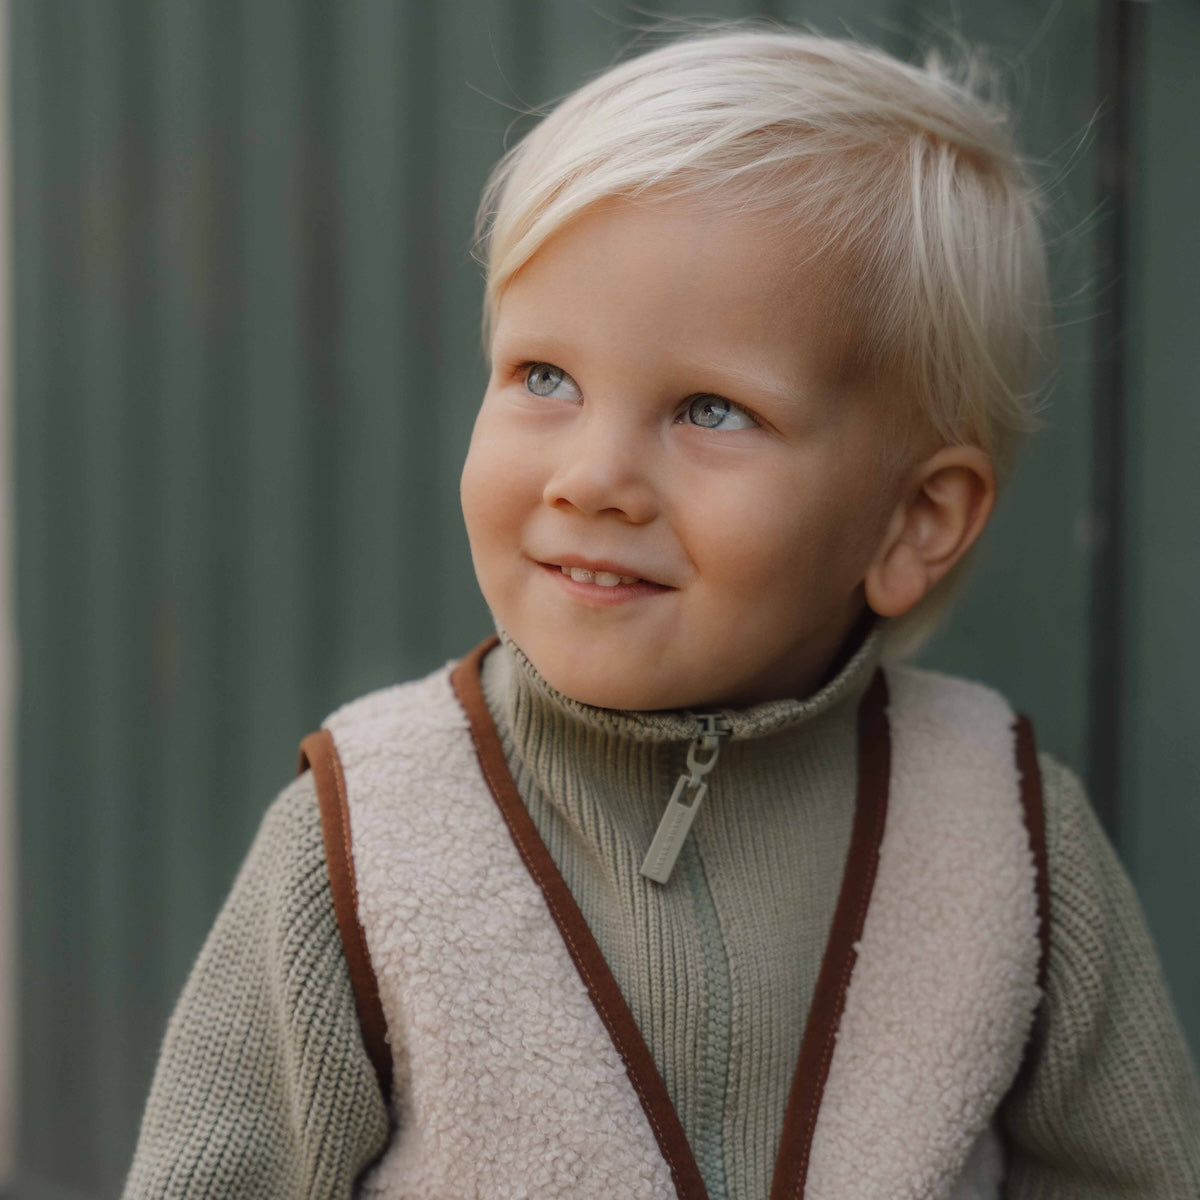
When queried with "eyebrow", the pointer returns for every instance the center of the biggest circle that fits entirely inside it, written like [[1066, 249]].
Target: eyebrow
[[772, 388], [527, 343]]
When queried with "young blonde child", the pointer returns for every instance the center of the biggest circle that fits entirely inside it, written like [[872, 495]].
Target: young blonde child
[[673, 890]]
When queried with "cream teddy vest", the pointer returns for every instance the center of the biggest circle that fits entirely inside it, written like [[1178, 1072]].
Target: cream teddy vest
[[512, 1064]]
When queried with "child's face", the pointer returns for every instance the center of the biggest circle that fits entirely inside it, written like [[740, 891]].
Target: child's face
[[665, 420]]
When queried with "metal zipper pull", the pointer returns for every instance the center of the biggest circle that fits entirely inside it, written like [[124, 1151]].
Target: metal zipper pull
[[690, 790]]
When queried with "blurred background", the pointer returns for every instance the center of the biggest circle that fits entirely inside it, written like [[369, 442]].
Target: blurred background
[[240, 358]]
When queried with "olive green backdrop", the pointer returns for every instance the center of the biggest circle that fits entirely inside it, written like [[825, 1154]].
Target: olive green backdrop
[[246, 365]]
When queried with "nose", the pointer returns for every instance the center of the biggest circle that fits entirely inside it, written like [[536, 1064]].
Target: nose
[[602, 468]]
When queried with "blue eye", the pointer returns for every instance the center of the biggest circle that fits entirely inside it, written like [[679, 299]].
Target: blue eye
[[545, 379], [714, 412]]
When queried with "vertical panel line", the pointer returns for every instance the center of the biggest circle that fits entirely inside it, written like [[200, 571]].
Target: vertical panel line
[[8, 859], [1122, 34]]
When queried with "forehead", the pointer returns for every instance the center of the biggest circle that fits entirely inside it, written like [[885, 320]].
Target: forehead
[[676, 276]]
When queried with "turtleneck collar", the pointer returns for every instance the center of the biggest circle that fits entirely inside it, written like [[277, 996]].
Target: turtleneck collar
[[511, 679], [719, 963]]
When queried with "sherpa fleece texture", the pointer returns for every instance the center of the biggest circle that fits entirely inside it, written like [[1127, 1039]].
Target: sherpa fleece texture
[[506, 1081], [943, 993]]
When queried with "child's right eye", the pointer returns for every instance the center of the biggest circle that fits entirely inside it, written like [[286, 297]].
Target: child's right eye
[[545, 379]]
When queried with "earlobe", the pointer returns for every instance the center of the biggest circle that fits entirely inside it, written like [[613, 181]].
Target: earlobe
[[896, 582], [941, 514]]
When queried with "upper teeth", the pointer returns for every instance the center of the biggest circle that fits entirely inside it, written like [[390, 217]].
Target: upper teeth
[[603, 578]]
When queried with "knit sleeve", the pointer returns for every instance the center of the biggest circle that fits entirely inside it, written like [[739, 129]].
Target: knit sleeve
[[1106, 1107], [263, 1088]]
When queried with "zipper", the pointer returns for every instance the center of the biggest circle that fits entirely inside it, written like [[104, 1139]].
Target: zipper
[[690, 789]]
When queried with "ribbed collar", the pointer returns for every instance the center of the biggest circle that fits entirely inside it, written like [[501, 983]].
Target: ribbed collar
[[525, 687]]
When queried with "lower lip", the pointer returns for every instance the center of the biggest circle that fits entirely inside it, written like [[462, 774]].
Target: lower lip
[[598, 594]]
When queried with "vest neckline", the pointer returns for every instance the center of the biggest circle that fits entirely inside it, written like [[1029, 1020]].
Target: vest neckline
[[820, 1031]]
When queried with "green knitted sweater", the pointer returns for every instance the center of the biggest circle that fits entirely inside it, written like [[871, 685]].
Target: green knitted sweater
[[263, 1088]]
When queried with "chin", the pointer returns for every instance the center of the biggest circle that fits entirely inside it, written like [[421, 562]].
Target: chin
[[600, 690]]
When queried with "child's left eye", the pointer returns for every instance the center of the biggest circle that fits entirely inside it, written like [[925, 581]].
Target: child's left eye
[[715, 412]]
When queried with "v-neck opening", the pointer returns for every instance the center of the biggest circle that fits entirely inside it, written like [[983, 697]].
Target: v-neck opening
[[820, 1030]]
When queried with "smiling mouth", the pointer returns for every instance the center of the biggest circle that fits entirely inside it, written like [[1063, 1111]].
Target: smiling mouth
[[600, 578], [604, 577]]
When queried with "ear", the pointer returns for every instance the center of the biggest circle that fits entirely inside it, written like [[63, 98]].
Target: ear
[[942, 511]]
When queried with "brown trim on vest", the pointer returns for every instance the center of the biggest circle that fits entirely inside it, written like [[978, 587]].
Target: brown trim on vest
[[1032, 803], [1035, 822], [837, 964], [611, 1005], [319, 752]]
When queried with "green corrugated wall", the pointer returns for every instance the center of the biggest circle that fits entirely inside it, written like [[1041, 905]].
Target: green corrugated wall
[[246, 365], [1160, 767]]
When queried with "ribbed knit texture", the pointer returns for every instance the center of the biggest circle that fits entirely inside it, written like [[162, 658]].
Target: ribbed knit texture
[[1109, 1108], [263, 1089]]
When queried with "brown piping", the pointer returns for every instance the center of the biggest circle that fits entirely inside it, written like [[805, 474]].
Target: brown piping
[[1035, 825], [581, 944], [837, 964], [1035, 822], [319, 752]]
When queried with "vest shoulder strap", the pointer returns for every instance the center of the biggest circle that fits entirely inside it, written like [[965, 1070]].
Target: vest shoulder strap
[[318, 753], [1033, 804]]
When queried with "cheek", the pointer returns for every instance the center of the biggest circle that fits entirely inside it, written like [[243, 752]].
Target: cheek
[[485, 464], [486, 531], [498, 491], [471, 486], [482, 496], [802, 547]]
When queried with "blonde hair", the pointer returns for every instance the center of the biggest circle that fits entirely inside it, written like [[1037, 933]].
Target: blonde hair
[[909, 173]]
